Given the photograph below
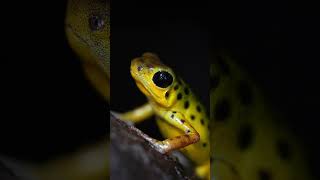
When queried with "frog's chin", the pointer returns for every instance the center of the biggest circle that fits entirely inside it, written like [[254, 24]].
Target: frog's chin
[[143, 89], [149, 93]]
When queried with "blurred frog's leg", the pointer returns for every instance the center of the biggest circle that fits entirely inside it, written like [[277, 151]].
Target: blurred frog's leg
[[90, 162], [98, 78], [138, 114], [203, 171]]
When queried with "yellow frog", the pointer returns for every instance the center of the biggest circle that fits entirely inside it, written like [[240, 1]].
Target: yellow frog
[[181, 118]]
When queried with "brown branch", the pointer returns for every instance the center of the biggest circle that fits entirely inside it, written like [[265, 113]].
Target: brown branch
[[132, 157]]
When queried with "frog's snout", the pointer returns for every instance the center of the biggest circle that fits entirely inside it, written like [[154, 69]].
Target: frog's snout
[[136, 64], [136, 67]]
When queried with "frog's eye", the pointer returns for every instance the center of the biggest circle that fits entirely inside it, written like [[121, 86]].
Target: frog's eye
[[96, 22], [162, 79]]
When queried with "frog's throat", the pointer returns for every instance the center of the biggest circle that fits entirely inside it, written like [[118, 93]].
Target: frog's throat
[[145, 91]]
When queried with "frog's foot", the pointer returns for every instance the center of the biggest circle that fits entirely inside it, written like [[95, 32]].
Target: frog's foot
[[170, 144]]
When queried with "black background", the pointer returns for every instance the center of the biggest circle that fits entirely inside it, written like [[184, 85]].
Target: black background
[[47, 106]]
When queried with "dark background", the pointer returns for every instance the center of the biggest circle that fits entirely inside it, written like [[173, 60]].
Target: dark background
[[275, 42], [47, 106]]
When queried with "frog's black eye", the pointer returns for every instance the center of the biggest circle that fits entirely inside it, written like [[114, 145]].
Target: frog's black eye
[[96, 22], [162, 79]]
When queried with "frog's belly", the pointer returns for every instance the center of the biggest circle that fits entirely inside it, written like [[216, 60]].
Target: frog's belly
[[194, 152]]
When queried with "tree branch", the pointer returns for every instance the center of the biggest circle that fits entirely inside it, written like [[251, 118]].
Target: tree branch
[[132, 157]]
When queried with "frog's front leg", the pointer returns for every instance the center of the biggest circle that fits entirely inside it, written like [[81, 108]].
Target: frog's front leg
[[136, 115], [177, 120]]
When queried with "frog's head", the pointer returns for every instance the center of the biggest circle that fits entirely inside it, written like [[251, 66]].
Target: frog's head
[[153, 78], [87, 26]]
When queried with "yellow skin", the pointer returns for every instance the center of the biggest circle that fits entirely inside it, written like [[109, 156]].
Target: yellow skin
[[87, 26], [246, 133], [181, 117]]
